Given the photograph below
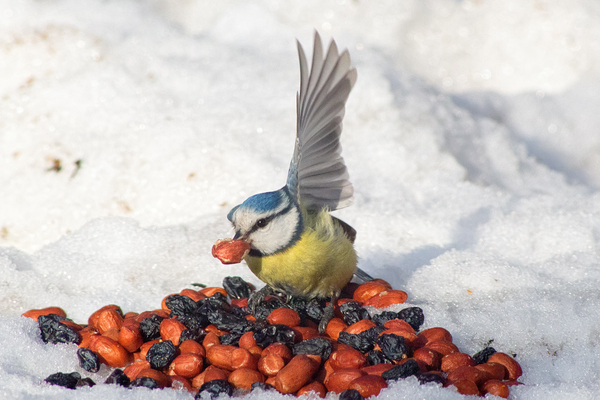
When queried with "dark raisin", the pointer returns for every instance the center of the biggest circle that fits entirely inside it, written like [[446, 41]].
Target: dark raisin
[[353, 312], [150, 328], [161, 354], [236, 287], [427, 377], [484, 355], [262, 310], [54, 332], [214, 388], [88, 360], [384, 317], [64, 380], [393, 346], [144, 381], [228, 322], [371, 334], [319, 346], [193, 322], [314, 309], [405, 370], [413, 315], [118, 377], [192, 334], [181, 305], [274, 334], [230, 338], [375, 357], [85, 382], [357, 341], [351, 394]]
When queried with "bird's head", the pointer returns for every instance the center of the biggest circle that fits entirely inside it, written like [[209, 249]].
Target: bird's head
[[270, 222]]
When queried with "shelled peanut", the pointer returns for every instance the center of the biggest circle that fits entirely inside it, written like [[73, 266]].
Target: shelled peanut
[[199, 341]]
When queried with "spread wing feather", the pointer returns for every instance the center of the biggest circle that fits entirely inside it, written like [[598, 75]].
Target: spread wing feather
[[317, 175]]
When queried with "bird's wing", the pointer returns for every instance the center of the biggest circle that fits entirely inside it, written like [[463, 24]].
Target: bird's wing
[[317, 174]]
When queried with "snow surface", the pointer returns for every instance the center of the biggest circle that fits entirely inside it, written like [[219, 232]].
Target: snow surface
[[471, 138]]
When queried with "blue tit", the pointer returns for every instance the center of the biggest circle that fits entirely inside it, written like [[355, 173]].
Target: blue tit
[[296, 246]]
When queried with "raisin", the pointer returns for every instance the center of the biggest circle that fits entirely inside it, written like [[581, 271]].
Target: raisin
[[193, 322], [351, 394], [85, 382], [54, 332], [214, 388], [181, 305], [405, 370], [150, 328], [482, 356], [353, 312], [393, 346], [375, 357], [371, 334], [427, 377], [319, 346], [274, 334], [88, 360], [262, 310], [357, 341], [118, 377], [65, 380], [314, 309], [161, 354], [192, 334], [413, 315], [384, 317], [144, 381], [228, 322], [236, 287], [230, 338]]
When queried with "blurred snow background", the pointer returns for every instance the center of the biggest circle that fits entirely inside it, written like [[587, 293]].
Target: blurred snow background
[[128, 129]]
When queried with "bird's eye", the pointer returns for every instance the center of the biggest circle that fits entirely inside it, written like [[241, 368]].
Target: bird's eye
[[261, 223]]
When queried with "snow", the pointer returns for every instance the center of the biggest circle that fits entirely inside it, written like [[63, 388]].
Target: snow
[[471, 138]]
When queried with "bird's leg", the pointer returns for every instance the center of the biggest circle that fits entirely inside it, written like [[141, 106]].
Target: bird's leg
[[328, 313], [259, 296]]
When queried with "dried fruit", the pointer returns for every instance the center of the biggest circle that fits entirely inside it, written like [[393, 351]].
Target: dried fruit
[[150, 327], [482, 356], [146, 382], [236, 287], [54, 332], [65, 380], [230, 251], [318, 346], [393, 346], [88, 360], [161, 354], [350, 394], [353, 312], [118, 377], [413, 315], [409, 368], [215, 388]]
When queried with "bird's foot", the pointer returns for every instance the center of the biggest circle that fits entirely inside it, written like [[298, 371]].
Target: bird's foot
[[259, 297], [328, 313]]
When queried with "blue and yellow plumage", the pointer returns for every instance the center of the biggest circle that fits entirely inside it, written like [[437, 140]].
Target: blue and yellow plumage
[[296, 246]]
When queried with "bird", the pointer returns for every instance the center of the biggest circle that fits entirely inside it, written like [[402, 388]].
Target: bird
[[296, 247]]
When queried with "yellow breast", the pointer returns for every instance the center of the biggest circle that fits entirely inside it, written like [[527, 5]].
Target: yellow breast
[[320, 264]]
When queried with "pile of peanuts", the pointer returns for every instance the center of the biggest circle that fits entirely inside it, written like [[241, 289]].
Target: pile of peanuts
[[116, 339]]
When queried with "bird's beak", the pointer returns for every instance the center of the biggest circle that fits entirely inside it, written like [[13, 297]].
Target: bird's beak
[[237, 235]]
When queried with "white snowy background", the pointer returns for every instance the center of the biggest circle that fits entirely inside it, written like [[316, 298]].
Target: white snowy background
[[472, 137]]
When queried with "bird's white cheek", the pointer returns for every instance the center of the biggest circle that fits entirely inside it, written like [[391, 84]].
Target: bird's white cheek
[[277, 235]]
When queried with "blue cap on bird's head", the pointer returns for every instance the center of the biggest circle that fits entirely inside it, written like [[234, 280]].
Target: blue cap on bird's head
[[261, 202]]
